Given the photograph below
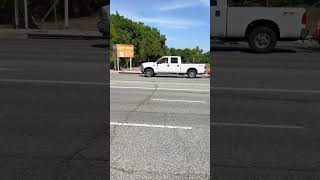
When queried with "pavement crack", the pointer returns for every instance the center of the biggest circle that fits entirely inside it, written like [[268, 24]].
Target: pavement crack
[[144, 101], [131, 112], [65, 162], [122, 170]]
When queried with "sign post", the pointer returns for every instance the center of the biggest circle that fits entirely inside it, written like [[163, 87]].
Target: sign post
[[130, 64], [123, 51]]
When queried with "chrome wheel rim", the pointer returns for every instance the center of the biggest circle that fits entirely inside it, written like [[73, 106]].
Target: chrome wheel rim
[[262, 40]]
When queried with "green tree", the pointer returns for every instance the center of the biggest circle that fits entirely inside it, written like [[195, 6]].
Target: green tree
[[149, 43]]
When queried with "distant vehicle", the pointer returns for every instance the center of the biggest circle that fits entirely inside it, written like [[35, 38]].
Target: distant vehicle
[[172, 65], [103, 24], [260, 25]]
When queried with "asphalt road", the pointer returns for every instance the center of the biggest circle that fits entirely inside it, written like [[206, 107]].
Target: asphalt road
[[265, 114], [159, 127], [53, 109]]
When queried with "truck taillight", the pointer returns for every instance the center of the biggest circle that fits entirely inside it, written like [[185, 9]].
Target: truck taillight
[[304, 19]]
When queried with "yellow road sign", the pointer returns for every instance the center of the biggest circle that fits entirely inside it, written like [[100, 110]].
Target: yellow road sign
[[124, 50]]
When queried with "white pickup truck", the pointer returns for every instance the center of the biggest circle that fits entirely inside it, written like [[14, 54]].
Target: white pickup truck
[[261, 25], [172, 65]]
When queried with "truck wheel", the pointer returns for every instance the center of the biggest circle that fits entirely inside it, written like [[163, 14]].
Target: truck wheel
[[262, 39], [148, 73], [192, 73]]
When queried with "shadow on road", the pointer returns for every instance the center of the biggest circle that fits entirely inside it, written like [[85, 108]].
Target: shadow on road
[[248, 50], [172, 76], [100, 45]]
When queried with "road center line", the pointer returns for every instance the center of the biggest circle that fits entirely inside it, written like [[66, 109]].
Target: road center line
[[150, 125], [152, 88], [257, 125], [95, 83], [176, 100]]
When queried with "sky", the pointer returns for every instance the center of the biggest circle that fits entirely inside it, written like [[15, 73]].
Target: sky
[[186, 23]]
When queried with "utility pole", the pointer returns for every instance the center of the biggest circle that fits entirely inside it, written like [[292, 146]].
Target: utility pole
[[26, 19], [16, 13], [55, 11], [66, 14]]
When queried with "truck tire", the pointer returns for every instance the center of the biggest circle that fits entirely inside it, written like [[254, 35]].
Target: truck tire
[[149, 72], [192, 73], [262, 39]]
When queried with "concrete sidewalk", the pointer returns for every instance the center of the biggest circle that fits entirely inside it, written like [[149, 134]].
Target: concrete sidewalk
[[47, 34], [13, 34], [126, 72]]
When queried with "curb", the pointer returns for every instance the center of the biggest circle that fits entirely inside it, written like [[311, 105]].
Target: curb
[[64, 34], [13, 34], [129, 72], [49, 34]]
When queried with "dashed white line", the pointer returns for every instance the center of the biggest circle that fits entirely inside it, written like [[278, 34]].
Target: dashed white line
[[97, 84], [257, 125], [177, 100], [150, 125]]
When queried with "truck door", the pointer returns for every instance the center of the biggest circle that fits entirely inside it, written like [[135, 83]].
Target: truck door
[[163, 65], [218, 15], [174, 65]]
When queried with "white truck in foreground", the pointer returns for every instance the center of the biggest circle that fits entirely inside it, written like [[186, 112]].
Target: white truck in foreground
[[172, 65], [258, 23]]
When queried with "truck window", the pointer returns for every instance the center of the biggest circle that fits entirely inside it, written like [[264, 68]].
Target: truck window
[[163, 61], [213, 3], [174, 60], [247, 3]]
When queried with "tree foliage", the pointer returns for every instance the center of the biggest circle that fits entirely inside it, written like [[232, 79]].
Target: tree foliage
[[194, 55], [149, 43]]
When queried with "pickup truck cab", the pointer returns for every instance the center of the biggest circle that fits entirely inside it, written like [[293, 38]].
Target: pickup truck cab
[[172, 65], [261, 25]]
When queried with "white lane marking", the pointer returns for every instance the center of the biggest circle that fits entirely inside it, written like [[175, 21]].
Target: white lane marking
[[257, 125], [96, 83], [177, 100], [152, 88], [53, 82], [10, 69], [161, 82], [268, 90], [150, 125]]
